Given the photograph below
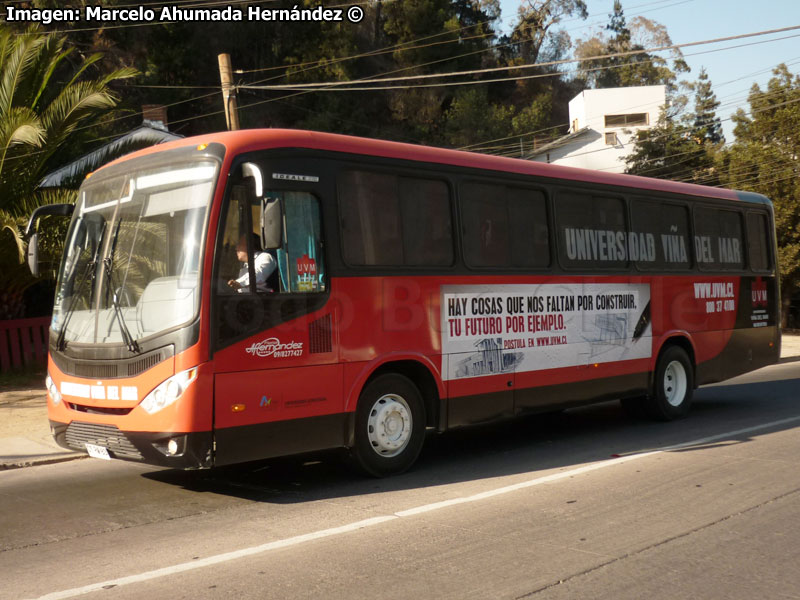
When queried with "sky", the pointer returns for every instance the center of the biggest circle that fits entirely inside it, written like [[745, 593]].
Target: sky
[[733, 71]]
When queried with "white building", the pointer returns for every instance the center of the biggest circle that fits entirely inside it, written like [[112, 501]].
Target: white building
[[603, 124]]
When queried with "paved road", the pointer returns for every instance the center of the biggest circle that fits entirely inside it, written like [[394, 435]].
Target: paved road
[[588, 503]]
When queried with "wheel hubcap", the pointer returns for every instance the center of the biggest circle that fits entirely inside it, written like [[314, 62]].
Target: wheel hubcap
[[389, 425], [675, 383]]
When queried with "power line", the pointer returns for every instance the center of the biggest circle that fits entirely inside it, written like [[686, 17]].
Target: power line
[[405, 45], [513, 148], [535, 65], [738, 100], [469, 147], [190, 3], [435, 75], [478, 146], [688, 174], [752, 182], [667, 135], [306, 88]]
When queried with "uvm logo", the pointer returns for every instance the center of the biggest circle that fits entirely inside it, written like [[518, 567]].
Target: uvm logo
[[758, 292]]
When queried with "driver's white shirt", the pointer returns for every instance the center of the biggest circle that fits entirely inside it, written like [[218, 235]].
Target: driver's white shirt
[[263, 265]]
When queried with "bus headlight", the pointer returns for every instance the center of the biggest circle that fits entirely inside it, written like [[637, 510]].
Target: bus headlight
[[169, 391], [52, 389]]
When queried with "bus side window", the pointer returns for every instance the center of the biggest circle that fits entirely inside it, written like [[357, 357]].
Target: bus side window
[[758, 241], [228, 264], [667, 227], [527, 213], [589, 231], [485, 224], [370, 216], [238, 241], [504, 226], [718, 242], [388, 220], [300, 259]]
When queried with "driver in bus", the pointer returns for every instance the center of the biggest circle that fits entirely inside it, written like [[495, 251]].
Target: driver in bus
[[264, 266]]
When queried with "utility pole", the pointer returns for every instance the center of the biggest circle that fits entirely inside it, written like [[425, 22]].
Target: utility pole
[[228, 92]]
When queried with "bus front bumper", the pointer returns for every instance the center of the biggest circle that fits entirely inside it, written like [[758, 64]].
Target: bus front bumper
[[174, 450]]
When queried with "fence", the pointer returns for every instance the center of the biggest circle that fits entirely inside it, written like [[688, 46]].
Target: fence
[[23, 343]]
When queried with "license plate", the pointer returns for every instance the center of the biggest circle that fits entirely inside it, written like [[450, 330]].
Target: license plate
[[97, 451]]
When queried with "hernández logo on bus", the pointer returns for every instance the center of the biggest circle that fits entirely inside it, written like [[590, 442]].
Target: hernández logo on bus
[[273, 347]]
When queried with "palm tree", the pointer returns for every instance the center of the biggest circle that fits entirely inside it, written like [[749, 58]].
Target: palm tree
[[47, 99]]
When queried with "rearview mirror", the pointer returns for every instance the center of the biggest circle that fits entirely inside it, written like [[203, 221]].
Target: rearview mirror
[[33, 254], [271, 224], [61, 210]]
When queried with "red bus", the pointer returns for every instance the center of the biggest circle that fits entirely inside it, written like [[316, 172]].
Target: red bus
[[243, 295]]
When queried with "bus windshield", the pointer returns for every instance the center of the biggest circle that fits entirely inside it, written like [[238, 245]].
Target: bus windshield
[[131, 265]]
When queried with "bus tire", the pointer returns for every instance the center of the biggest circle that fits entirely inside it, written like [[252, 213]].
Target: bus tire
[[673, 386], [389, 426]]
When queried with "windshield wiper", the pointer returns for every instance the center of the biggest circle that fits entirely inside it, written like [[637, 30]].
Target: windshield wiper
[[61, 341], [132, 344]]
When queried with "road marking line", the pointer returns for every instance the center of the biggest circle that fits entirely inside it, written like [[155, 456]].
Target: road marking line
[[524, 484], [219, 558], [325, 533]]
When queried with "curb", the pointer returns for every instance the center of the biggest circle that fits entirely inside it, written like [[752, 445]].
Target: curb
[[35, 462]]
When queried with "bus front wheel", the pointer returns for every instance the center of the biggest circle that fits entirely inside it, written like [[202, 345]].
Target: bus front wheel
[[673, 385], [389, 426]]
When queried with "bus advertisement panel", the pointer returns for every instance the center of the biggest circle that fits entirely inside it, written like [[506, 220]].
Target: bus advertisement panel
[[518, 328]]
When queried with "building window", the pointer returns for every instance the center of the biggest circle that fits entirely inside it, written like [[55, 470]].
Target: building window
[[627, 120], [611, 139]]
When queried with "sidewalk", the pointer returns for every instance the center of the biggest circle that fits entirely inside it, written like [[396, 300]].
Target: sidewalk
[[25, 438]]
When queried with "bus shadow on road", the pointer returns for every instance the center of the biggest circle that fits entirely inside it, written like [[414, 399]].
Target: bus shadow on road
[[532, 445]]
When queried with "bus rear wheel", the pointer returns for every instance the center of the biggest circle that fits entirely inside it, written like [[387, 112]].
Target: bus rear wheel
[[673, 386], [389, 427]]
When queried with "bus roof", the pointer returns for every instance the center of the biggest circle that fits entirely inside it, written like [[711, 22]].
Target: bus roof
[[248, 140]]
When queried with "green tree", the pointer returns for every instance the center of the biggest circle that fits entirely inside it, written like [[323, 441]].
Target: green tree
[[471, 118], [533, 117], [706, 125], [641, 68], [47, 100], [683, 145], [537, 20], [666, 151], [433, 36], [44, 101], [766, 159], [536, 38]]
